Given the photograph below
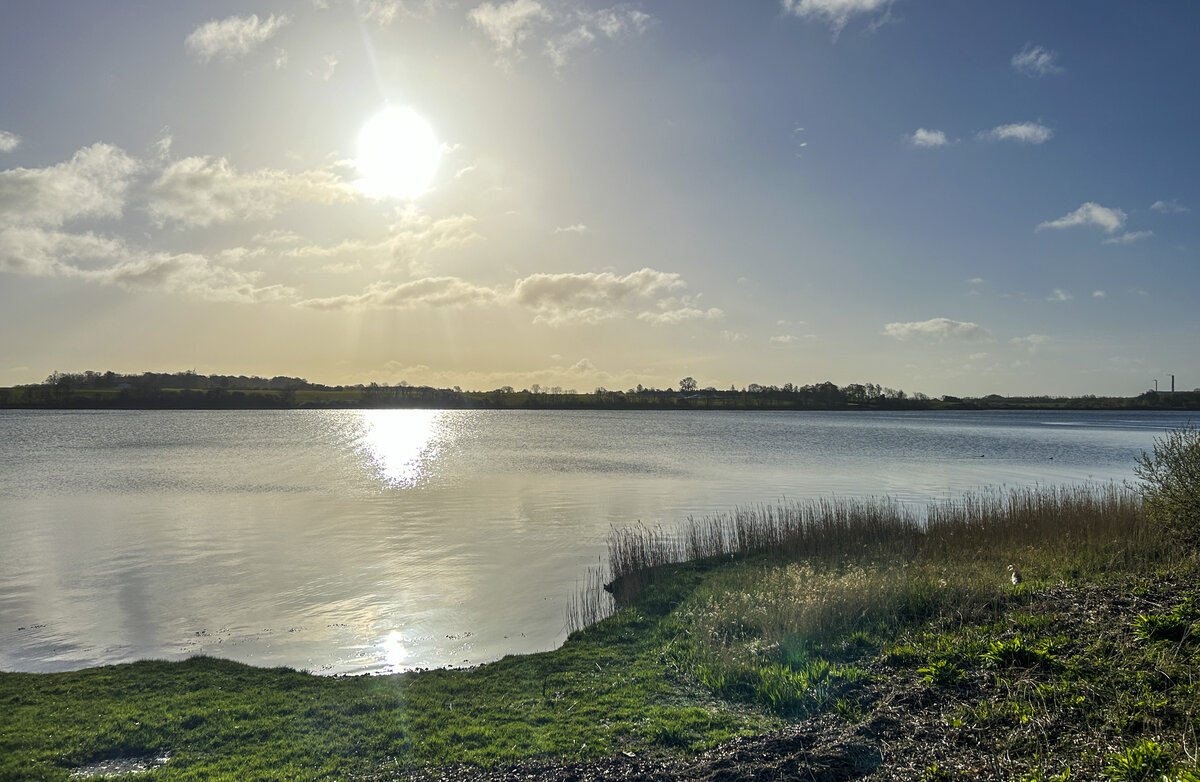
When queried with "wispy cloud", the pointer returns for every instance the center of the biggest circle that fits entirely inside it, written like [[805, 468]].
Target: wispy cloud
[[412, 238], [577, 228], [508, 24], [1090, 213], [677, 315], [1168, 207], [93, 183], [1129, 237], [928, 138], [428, 292], [514, 26], [9, 141], [200, 191], [1036, 61], [329, 65], [1098, 294], [232, 37], [1058, 294], [835, 13], [1031, 342], [1021, 132], [938, 328]]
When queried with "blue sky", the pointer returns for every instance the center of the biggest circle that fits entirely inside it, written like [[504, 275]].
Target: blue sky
[[945, 197]]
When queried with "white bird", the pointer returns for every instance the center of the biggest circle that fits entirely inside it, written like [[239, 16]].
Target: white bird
[[1014, 575]]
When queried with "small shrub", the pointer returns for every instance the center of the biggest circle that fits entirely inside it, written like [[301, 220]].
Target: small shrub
[[1139, 763], [1170, 481]]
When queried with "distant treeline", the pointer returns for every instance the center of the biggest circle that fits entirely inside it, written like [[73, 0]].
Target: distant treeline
[[190, 390]]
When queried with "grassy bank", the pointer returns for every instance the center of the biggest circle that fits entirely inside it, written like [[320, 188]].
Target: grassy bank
[[902, 635]]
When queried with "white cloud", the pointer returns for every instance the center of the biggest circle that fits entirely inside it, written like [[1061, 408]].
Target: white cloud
[[412, 238], [836, 13], [190, 274], [1168, 207], [577, 228], [1090, 213], [383, 12], [42, 252], [587, 26], [733, 337], [1058, 294], [1031, 342], [555, 299], [938, 328], [617, 21], [1129, 237], [563, 31], [590, 297], [784, 339], [1098, 294], [673, 317], [428, 292], [1035, 61], [8, 141], [92, 183], [1021, 132], [508, 24], [232, 37], [928, 138], [417, 234], [559, 49], [200, 191]]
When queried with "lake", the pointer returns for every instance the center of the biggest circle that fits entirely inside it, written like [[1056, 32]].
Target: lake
[[371, 541]]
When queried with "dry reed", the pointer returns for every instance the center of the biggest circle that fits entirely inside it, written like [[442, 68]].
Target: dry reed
[[1094, 526]]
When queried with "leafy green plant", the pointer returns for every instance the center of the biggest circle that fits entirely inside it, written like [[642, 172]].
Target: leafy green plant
[[1170, 480], [1160, 627], [1016, 653], [1139, 763], [942, 673], [935, 773]]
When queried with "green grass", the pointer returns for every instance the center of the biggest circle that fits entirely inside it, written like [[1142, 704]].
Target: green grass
[[735, 625], [606, 690]]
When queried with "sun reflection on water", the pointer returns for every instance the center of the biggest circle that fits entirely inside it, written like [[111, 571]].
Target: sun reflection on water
[[393, 652], [402, 445]]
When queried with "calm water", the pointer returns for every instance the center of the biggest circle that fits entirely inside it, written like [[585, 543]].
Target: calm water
[[368, 541]]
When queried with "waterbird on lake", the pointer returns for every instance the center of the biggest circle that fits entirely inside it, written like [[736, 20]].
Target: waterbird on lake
[[1014, 575]]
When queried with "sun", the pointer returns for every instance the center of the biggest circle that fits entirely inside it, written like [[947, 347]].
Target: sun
[[398, 154]]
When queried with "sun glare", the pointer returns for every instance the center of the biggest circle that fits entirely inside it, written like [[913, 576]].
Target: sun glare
[[398, 154]]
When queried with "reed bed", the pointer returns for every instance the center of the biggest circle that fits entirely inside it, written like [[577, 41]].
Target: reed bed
[[1071, 530], [804, 579]]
